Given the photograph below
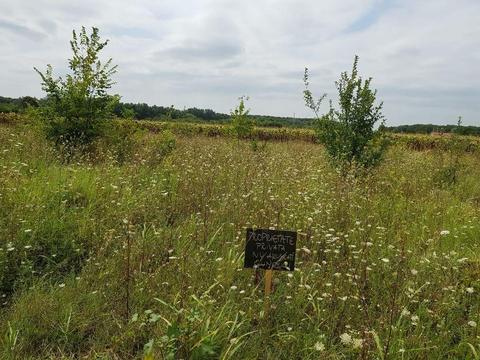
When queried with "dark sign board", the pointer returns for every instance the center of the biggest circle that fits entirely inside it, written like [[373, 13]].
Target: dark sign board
[[270, 249]]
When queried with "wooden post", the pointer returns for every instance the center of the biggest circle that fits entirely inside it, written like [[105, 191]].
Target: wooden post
[[268, 281], [268, 289]]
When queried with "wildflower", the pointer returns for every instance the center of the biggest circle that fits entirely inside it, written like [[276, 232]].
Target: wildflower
[[357, 343], [319, 346], [233, 287], [470, 290], [61, 285], [385, 260], [306, 250], [472, 323], [28, 230], [345, 339], [414, 272], [444, 232]]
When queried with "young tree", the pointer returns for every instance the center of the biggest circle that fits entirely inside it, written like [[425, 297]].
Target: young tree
[[242, 126], [77, 106], [349, 133]]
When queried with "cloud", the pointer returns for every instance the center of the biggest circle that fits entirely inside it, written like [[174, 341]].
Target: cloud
[[15, 29], [422, 55]]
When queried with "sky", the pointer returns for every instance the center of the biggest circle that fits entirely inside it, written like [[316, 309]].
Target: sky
[[423, 55]]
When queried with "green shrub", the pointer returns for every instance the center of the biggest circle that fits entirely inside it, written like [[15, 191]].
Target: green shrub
[[77, 106], [242, 125], [349, 134], [120, 140], [451, 163], [162, 145]]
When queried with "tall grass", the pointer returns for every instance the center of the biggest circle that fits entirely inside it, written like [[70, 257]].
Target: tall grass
[[388, 265]]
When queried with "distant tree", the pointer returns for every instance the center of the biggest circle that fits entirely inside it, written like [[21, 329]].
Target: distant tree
[[77, 106], [242, 125], [29, 101], [349, 133], [127, 113]]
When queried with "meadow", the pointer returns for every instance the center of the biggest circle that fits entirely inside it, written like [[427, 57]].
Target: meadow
[[141, 256]]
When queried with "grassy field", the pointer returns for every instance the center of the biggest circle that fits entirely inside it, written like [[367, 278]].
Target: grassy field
[[143, 259]]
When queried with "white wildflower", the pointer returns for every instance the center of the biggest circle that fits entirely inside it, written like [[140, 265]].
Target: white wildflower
[[345, 339], [307, 251], [319, 346], [357, 343]]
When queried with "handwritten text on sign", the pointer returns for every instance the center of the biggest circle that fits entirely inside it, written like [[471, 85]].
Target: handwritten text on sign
[[270, 249]]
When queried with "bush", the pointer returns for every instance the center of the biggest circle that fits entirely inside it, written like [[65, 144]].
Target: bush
[[349, 133], [451, 165], [161, 146], [119, 140], [77, 107], [242, 126]]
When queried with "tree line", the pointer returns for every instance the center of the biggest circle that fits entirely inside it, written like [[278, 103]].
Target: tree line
[[143, 111], [430, 128]]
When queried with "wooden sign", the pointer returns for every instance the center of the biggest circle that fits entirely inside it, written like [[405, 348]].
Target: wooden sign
[[270, 249]]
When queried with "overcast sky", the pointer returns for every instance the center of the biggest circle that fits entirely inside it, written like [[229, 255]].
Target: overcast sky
[[423, 55]]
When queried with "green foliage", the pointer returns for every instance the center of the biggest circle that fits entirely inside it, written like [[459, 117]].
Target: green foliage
[[451, 159], [439, 129], [392, 264], [127, 113], [242, 125], [17, 105], [78, 105], [160, 147], [258, 146], [349, 133], [120, 140]]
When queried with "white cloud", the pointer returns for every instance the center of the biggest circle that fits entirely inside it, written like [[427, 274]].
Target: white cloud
[[422, 55]]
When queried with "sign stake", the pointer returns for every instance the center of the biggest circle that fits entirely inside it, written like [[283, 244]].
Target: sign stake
[[268, 281], [268, 289], [269, 250]]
